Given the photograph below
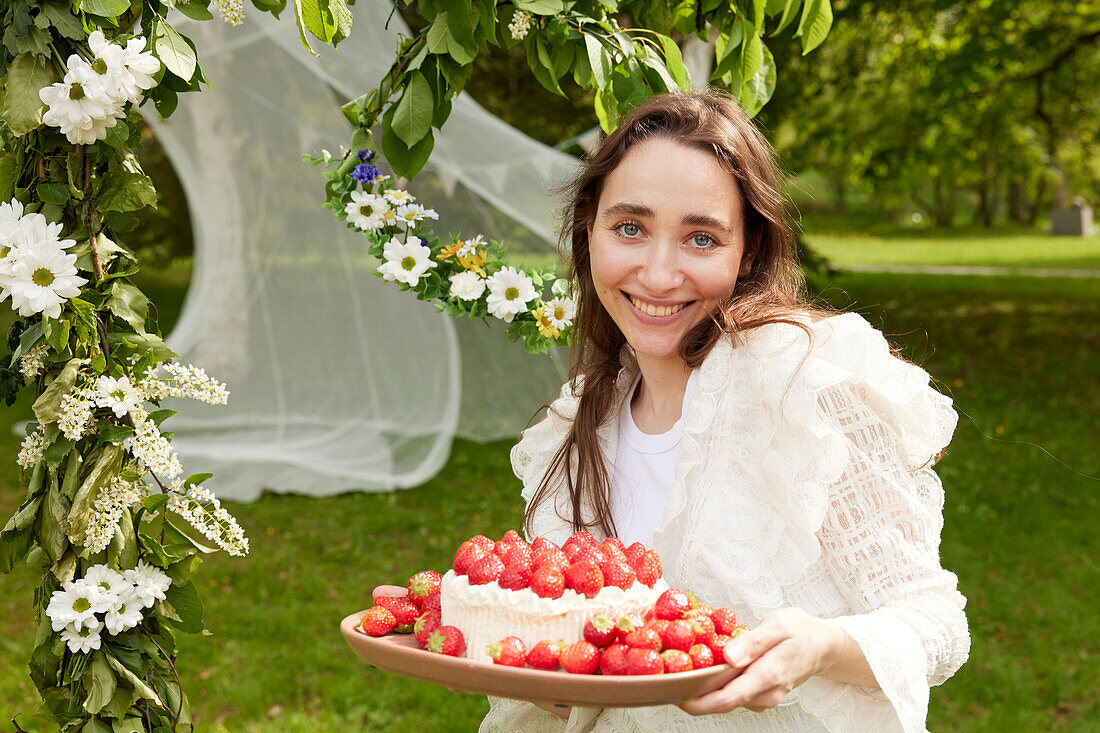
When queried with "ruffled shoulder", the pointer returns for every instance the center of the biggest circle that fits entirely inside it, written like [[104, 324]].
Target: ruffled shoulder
[[758, 453]]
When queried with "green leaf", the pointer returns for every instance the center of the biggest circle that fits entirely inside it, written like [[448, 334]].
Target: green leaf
[[538, 58], [817, 19], [315, 17], [143, 690], [197, 478], [119, 704], [541, 7], [343, 17], [26, 74], [413, 116], [174, 50], [57, 333], [103, 686], [441, 39], [154, 502], [55, 509], [106, 467], [123, 551], [752, 54], [756, 92], [195, 11], [105, 8], [47, 408], [129, 304], [26, 515], [133, 724], [54, 193], [185, 599], [126, 191], [674, 62], [790, 12], [8, 173], [95, 725], [56, 452], [406, 161], [159, 416], [147, 342], [111, 433]]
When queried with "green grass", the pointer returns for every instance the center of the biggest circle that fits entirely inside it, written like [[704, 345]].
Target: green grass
[[1017, 354]]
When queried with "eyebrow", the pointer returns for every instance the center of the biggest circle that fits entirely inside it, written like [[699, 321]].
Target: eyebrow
[[631, 209]]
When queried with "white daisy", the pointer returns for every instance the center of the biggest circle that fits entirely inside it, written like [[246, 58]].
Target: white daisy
[[11, 213], [467, 285], [76, 603], [411, 213], [83, 639], [126, 613], [117, 394], [82, 116], [560, 312], [42, 278], [107, 579], [397, 197], [366, 211], [509, 292], [141, 64], [406, 262], [150, 582], [101, 79]]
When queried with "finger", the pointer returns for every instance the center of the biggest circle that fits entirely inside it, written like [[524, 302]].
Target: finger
[[747, 647], [745, 688], [393, 591]]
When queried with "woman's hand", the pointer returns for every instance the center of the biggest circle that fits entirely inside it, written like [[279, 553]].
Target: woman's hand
[[786, 649]]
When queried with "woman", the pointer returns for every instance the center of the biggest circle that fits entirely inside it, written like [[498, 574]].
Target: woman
[[777, 458]]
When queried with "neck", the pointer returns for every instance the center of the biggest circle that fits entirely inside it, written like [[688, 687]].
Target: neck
[[659, 399]]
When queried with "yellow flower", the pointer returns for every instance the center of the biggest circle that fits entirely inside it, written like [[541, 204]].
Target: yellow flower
[[474, 261], [546, 328], [449, 252]]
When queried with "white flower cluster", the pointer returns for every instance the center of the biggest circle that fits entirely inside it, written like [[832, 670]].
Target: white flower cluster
[[76, 411], [371, 212], [35, 271], [151, 448], [232, 11], [34, 360], [206, 514], [179, 380], [118, 496], [104, 598], [32, 450], [93, 95], [521, 23], [406, 261]]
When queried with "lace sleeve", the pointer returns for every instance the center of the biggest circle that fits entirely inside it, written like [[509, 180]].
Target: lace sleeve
[[880, 539]]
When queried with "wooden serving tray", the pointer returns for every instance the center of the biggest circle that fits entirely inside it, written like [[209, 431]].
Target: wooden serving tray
[[400, 654]]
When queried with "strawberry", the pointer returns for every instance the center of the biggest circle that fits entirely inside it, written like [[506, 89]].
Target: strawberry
[[377, 621], [629, 623], [509, 652], [481, 540], [584, 538], [467, 554], [423, 584], [540, 543], [424, 627], [487, 569], [515, 577], [672, 604], [516, 554], [431, 603], [634, 552], [512, 537], [703, 626], [644, 661], [613, 659], [643, 638], [650, 615], [737, 630], [590, 553], [548, 582], [447, 640], [499, 547], [617, 544], [544, 655], [580, 658], [577, 542], [553, 556], [724, 620], [648, 568], [600, 630], [659, 625], [585, 577], [678, 635], [718, 644], [676, 660], [403, 610], [618, 574], [701, 656]]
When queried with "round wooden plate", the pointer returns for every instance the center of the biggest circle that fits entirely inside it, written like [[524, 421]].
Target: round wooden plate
[[399, 653]]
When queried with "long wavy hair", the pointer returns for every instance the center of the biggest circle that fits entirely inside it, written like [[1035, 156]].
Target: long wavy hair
[[771, 291]]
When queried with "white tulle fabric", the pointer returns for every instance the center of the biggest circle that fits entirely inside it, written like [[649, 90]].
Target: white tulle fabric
[[804, 479]]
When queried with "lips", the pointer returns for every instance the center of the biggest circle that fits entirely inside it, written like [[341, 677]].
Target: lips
[[652, 309]]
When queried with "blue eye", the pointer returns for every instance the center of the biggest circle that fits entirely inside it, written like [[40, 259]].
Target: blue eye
[[703, 241]]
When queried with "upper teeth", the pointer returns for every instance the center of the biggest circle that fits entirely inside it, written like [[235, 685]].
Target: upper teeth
[[656, 310]]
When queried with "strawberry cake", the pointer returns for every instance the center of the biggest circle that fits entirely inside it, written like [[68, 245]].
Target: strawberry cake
[[542, 591]]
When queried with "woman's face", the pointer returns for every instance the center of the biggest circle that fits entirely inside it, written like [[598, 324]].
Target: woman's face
[[666, 244]]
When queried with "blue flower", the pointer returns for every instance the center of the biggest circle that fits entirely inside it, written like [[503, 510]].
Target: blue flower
[[364, 173], [366, 156]]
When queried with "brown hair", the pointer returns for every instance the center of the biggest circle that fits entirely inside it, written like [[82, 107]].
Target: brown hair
[[770, 292]]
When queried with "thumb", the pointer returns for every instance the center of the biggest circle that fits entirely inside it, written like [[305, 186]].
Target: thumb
[[394, 591], [744, 649]]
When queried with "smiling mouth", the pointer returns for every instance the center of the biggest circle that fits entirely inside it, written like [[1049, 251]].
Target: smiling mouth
[[656, 310]]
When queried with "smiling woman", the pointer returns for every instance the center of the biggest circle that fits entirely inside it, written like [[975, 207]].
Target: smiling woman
[[777, 457]]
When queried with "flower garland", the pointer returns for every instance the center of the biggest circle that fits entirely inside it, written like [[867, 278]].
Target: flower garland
[[467, 277]]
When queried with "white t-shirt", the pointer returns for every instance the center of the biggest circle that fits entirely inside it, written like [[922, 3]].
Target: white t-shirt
[[645, 468]]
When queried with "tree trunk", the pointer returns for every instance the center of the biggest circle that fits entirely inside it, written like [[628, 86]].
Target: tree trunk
[[943, 211], [699, 59], [1017, 202], [840, 203]]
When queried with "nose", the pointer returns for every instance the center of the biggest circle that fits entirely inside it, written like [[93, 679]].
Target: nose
[[660, 271]]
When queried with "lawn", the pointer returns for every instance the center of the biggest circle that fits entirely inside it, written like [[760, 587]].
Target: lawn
[[1017, 355]]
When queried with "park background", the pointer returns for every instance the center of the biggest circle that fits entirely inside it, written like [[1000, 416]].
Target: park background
[[920, 135]]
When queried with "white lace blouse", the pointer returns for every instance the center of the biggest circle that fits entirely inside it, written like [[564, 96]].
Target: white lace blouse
[[804, 479]]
